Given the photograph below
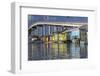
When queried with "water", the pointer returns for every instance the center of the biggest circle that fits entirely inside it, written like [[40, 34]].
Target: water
[[52, 51]]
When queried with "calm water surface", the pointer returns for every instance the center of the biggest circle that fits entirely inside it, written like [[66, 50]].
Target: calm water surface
[[50, 51]]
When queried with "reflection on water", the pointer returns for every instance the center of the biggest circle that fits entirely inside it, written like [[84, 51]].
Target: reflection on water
[[47, 51]]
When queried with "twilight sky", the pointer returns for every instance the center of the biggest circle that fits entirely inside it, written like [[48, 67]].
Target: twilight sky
[[35, 18]]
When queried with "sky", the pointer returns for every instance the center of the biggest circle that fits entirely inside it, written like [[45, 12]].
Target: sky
[[35, 18]]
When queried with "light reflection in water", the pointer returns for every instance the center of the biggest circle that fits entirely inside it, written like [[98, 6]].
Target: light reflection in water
[[48, 51]]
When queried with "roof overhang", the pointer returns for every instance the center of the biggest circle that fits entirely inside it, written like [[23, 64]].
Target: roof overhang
[[59, 23]]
